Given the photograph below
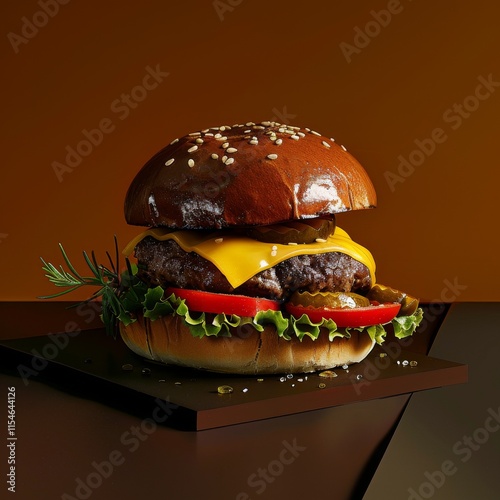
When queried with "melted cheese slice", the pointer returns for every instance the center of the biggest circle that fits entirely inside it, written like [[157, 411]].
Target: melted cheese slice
[[239, 258]]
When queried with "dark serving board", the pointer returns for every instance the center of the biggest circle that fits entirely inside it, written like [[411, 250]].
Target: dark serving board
[[94, 365]]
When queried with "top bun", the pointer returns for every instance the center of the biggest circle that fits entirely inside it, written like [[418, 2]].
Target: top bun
[[251, 174]]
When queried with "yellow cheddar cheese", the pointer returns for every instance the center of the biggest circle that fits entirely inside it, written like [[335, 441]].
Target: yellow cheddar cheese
[[239, 258]]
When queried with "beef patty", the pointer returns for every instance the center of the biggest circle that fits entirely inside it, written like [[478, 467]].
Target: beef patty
[[165, 263]]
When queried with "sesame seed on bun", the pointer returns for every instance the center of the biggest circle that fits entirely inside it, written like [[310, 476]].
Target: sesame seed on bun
[[248, 174]]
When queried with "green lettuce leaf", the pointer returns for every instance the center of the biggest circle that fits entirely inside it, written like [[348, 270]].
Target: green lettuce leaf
[[304, 326], [376, 333], [275, 318], [404, 326], [155, 305]]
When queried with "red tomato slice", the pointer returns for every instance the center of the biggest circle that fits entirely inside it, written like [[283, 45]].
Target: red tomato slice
[[210, 302], [345, 317]]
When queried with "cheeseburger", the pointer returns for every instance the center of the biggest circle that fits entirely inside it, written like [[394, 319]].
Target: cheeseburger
[[241, 267], [245, 268]]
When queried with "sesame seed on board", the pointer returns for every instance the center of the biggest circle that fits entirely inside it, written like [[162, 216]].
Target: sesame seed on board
[[169, 162]]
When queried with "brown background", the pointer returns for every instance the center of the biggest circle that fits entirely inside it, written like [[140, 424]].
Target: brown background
[[434, 234]]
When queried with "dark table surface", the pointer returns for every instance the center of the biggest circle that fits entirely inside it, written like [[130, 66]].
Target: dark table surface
[[73, 444]]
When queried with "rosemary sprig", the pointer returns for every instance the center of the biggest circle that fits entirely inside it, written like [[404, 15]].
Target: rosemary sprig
[[121, 294]]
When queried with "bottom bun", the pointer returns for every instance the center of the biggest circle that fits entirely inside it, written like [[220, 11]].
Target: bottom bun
[[168, 340]]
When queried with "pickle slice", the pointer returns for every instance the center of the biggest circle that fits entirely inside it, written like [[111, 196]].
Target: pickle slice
[[331, 300], [408, 306], [382, 294], [295, 232]]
